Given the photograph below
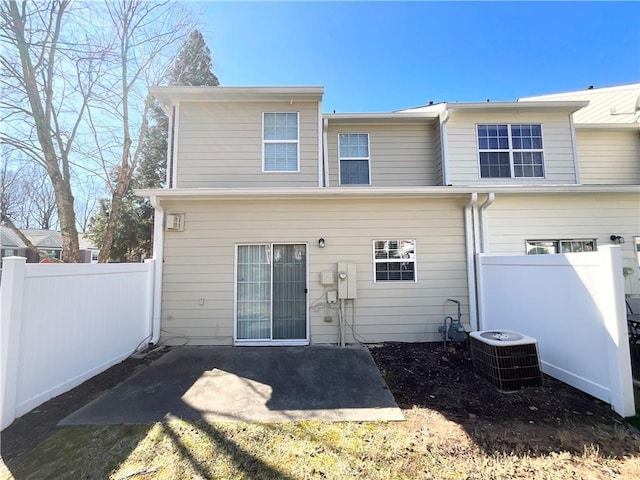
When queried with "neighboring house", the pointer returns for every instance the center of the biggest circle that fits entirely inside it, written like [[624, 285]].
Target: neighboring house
[[49, 241], [279, 220], [89, 252]]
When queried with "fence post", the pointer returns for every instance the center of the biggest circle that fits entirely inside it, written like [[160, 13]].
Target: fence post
[[613, 311], [11, 300]]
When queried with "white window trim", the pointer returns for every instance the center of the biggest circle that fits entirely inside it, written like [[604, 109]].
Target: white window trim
[[399, 260], [511, 151], [368, 159], [297, 142], [558, 243]]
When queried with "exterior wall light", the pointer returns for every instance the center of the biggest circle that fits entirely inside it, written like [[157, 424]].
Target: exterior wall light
[[617, 239], [321, 242]]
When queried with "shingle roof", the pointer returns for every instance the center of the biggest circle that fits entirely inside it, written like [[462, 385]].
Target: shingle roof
[[618, 105]]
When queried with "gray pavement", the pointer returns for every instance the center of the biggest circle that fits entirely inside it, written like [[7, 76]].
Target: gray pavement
[[253, 384]]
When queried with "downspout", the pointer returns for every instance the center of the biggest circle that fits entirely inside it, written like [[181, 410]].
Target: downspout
[[444, 148], [158, 256], [325, 151], [484, 245], [320, 145], [469, 248], [574, 148], [169, 172], [176, 126]]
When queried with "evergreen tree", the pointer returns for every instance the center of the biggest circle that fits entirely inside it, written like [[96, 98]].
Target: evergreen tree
[[134, 237], [193, 64]]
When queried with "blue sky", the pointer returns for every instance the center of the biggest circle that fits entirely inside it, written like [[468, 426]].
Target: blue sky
[[382, 56]]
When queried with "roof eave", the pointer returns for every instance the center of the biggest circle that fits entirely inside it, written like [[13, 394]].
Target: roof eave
[[169, 96], [371, 192], [560, 106]]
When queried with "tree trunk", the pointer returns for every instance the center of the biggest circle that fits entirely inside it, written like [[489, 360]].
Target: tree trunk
[[41, 109]]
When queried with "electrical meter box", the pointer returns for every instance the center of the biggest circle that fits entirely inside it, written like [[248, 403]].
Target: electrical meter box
[[347, 281], [327, 278]]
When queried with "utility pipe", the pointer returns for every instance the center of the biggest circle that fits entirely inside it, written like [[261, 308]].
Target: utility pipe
[[469, 248], [158, 256], [484, 245]]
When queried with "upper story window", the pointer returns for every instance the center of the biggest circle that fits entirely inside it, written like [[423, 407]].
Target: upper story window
[[280, 142], [394, 260], [354, 158], [538, 247], [510, 151]]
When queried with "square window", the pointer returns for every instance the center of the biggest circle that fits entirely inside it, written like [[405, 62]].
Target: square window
[[510, 151], [394, 260]]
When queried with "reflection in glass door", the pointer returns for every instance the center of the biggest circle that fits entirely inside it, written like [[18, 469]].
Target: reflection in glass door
[[271, 292]]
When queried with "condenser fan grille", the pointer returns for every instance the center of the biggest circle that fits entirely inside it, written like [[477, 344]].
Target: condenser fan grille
[[507, 359]]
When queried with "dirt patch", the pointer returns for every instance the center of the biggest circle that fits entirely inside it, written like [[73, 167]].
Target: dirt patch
[[31, 429], [424, 377]]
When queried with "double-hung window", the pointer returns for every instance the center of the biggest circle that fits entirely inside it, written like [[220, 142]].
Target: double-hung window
[[394, 260], [280, 142], [510, 150], [354, 158]]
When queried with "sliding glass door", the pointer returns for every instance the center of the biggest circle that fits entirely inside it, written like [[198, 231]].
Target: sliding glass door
[[271, 293]]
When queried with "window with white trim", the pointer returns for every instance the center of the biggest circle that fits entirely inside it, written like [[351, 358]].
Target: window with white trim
[[545, 247], [353, 156], [394, 260], [280, 142], [510, 150]]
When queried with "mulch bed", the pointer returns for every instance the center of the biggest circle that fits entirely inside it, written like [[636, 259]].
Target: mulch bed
[[426, 375]]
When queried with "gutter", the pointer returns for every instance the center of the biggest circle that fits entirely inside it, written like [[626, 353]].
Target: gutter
[[320, 145], [373, 192], [158, 256], [471, 268]]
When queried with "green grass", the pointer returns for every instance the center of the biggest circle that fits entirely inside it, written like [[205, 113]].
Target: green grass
[[426, 446], [635, 421]]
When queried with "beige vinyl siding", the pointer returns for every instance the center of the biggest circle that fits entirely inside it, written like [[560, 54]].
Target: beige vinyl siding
[[514, 219], [220, 145], [463, 147], [609, 156], [199, 264], [400, 154]]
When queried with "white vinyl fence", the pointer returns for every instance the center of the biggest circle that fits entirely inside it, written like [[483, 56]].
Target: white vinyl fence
[[64, 323], [574, 306]]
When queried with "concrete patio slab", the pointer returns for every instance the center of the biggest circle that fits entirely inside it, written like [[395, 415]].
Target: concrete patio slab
[[252, 384]]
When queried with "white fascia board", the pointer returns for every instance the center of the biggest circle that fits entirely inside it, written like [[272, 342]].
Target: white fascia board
[[370, 192], [607, 126], [558, 106], [172, 95], [380, 117]]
